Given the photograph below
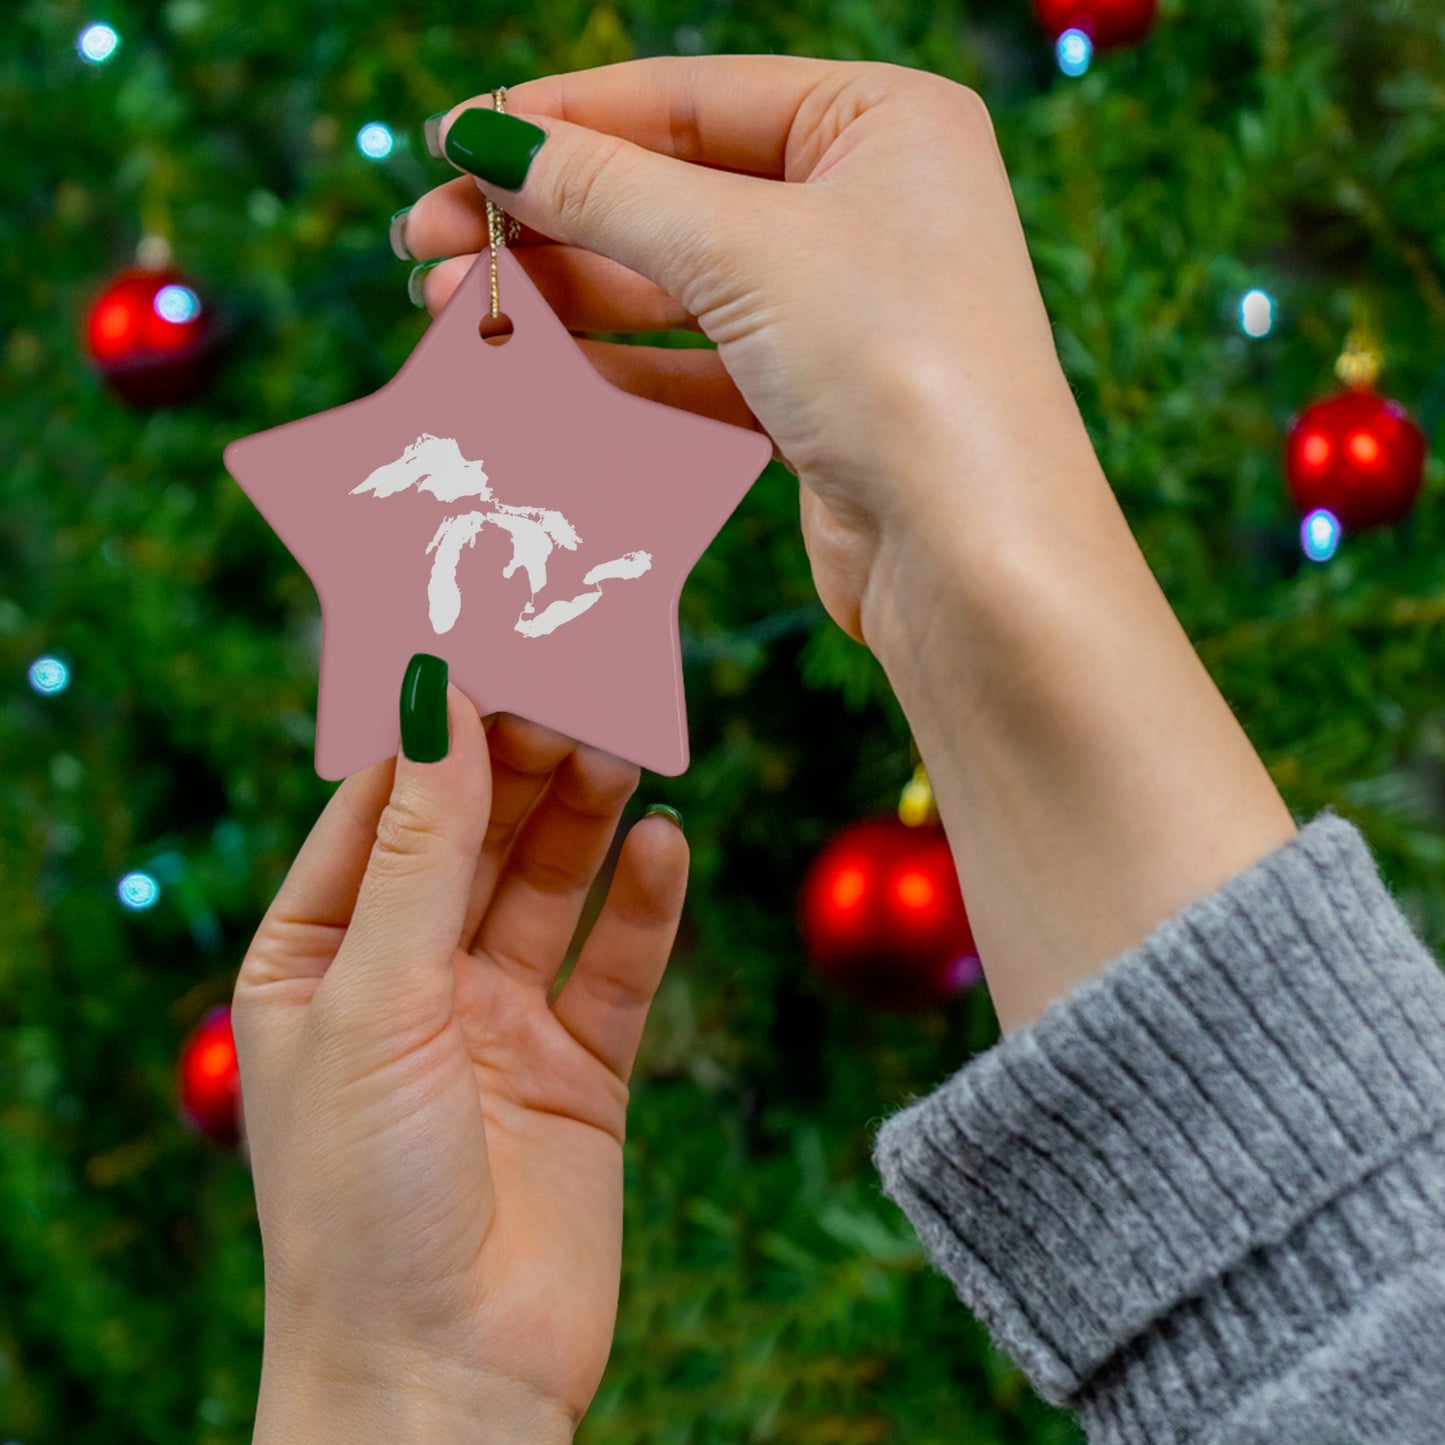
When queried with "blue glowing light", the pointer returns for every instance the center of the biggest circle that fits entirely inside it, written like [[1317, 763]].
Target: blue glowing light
[[97, 43], [1075, 51], [964, 972], [138, 891], [1320, 535], [177, 303], [49, 675], [375, 140], [1256, 313]]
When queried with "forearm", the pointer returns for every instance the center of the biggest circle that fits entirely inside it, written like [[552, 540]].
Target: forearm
[[1091, 778]]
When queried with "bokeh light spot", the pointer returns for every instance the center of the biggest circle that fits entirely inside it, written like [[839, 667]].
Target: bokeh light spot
[[914, 890], [177, 304], [49, 675], [113, 322], [1364, 448], [1256, 313], [375, 141], [966, 969], [138, 891], [848, 888], [216, 1058], [97, 44], [1075, 52], [1320, 535], [1315, 450]]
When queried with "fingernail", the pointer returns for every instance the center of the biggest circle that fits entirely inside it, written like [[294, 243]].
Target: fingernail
[[431, 133], [414, 282], [425, 736], [398, 235], [666, 812], [498, 148]]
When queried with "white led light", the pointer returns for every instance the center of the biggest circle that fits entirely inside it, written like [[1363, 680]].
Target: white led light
[[1320, 535], [49, 675], [138, 891], [375, 140], [1075, 52], [1256, 313], [178, 304], [97, 43]]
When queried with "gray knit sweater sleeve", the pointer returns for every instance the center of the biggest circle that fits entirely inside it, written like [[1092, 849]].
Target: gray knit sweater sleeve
[[1202, 1199]]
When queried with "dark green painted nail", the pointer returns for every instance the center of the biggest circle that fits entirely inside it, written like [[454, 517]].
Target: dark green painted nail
[[498, 148], [666, 812], [397, 233], [425, 736], [414, 282], [431, 133]]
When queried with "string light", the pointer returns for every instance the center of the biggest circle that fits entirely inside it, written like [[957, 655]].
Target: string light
[[49, 675], [1075, 52], [965, 970], [375, 141], [138, 891], [177, 304], [1320, 535], [97, 44], [1256, 313]]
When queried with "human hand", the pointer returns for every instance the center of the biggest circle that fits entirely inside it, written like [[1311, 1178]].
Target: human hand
[[879, 317], [437, 1149]]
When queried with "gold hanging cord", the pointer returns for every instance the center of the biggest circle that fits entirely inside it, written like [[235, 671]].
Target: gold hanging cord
[[501, 228]]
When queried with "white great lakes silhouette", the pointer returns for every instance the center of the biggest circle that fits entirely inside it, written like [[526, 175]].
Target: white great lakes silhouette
[[436, 465]]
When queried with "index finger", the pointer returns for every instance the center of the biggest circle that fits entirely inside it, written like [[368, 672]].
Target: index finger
[[735, 112]]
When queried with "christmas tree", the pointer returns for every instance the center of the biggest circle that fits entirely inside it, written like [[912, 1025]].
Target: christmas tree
[[1212, 213]]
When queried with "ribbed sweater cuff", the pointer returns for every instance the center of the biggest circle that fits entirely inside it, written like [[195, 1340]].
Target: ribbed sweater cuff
[[1168, 1126]]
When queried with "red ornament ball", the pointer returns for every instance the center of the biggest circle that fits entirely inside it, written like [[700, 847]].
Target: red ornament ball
[[1357, 455], [210, 1080], [152, 338], [1107, 23], [883, 917]]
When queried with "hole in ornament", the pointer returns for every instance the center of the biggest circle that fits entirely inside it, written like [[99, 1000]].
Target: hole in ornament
[[495, 330]]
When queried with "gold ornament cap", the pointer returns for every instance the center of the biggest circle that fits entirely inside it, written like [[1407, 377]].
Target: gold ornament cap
[[1360, 362], [915, 804]]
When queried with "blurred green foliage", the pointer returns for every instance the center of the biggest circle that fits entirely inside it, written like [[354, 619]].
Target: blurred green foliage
[[771, 1293]]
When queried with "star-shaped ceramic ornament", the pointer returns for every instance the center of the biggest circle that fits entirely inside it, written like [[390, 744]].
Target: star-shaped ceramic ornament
[[503, 507]]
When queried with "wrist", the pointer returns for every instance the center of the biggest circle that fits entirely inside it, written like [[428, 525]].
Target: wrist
[[321, 1403], [1092, 780], [981, 519]]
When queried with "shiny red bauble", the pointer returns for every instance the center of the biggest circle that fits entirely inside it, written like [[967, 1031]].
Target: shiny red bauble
[[1357, 455], [1107, 23], [152, 338], [210, 1080], [883, 918]]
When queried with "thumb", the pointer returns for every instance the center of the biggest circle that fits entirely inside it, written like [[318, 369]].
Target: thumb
[[407, 923], [676, 223]]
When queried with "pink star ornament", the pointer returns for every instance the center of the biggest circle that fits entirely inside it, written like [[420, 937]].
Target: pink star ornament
[[506, 508]]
